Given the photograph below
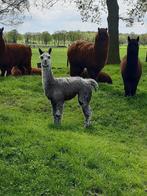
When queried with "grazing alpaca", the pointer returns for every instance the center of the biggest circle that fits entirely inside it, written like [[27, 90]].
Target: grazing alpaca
[[11, 55], [58, 90], [83, 54], [131, 68]]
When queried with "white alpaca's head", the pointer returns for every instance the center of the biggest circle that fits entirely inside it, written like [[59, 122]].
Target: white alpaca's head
[[45, 58]]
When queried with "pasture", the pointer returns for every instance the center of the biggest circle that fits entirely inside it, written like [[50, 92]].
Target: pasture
[[37, 158]]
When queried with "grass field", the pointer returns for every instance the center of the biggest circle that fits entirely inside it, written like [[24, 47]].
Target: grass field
[[37, 158]]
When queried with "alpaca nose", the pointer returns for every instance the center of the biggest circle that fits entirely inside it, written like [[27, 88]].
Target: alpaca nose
[[45, 61]]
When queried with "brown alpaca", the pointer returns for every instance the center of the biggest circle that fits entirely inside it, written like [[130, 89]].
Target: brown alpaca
[[35, 71], [101, 76], [14, 55], [84, 74], [131, 68], [2, 42], [83, 54], [15, 71], [104, 77]]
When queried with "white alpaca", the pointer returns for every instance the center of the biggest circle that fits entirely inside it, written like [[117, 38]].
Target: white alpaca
[[58, 90]]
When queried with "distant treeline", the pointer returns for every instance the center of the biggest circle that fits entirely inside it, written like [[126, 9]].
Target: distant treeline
[[61, 38]]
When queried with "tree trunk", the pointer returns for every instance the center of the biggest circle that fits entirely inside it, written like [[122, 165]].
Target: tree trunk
[[113, 26]]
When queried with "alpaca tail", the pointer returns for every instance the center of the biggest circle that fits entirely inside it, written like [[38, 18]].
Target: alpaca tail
[[93, 84]]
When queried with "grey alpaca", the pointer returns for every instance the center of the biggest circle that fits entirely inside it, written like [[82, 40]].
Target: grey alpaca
[[58, 90]]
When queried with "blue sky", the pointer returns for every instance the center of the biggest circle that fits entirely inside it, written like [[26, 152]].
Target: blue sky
[[68, 18]]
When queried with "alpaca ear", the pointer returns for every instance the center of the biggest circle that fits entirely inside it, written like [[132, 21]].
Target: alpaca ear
[[129, 39], [98, 29], [40, 51], [49, 50], [2, 28], [138, 38]]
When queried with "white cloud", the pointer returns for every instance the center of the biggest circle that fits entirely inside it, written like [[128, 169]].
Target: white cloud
[[66, 17]]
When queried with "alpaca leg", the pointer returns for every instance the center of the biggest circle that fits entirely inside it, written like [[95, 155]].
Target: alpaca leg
[[75, 70], [127, 88], [84, 99], [57, 113], [92, 72], [27, 66], [3, 72], [22, 68], [87, 113], [8, 72], [134, 88]]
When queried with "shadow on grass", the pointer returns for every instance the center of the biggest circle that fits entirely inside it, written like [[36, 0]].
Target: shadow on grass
[[62, 127], [137, 102], [73, 128]]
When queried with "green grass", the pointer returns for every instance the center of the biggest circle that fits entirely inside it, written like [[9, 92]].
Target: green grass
[[37, 158]]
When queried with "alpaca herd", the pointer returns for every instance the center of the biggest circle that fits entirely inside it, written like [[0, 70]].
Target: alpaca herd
[[86, 62]]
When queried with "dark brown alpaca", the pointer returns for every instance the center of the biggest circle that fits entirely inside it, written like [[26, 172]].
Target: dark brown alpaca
[[15, 71], [101, 76], [35, 71], [104, 77], [11, 55], [131, 68], [83, 54]]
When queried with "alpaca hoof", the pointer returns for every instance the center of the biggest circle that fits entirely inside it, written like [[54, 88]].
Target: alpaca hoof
[[87, 124], [57, 122]]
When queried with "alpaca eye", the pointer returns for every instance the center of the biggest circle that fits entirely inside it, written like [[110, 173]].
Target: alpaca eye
[[41, 57]]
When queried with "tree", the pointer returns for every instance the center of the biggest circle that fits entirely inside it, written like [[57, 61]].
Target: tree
[[12, 11], [122, 38], [73, 35], [12, 36], [27, 37], [45, 37], [113, 26], [92, 10]]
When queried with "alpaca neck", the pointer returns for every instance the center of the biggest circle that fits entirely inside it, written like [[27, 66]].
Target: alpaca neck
[[132, 59], [47, 79], [101, 49], [101, 43], [2, 46]]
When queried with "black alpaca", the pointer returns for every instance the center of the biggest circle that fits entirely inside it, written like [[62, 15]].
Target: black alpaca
[[131, 69]]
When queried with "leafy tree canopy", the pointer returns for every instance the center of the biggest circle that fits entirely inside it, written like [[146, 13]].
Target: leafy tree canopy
[[92, 9], [13, 11]]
